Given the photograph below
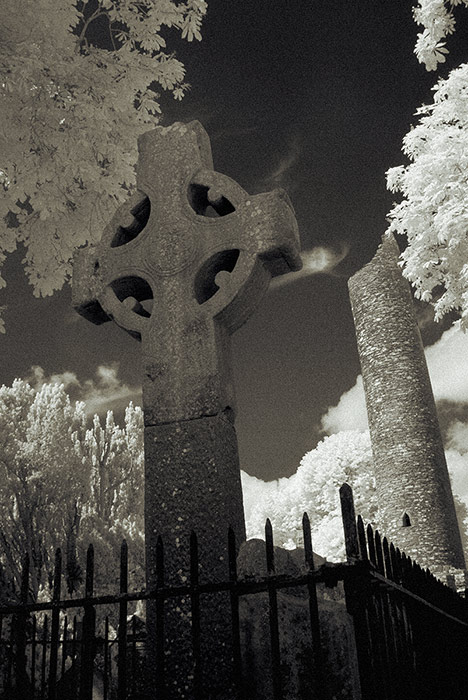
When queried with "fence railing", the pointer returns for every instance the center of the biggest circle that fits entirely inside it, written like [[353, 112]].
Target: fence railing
[[411, 630]]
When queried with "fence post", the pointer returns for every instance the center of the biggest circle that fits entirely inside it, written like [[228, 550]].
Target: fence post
[[195, 606], [349, 523], [122, 630], [234, 598], [88, 632], [44, 641], [54, 627], [317, 665], [160, 636], [356, 592], [273, 613], [21, 677]]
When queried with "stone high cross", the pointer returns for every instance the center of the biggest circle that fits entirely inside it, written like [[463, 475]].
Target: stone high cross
[[181, 266]]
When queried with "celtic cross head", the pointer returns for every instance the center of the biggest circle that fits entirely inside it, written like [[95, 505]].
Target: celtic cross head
[[183, 264]]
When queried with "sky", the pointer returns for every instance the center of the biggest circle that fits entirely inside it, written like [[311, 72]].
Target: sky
[[314, 97]]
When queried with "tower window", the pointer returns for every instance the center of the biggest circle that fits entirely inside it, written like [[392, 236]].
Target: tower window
[[406, 522]]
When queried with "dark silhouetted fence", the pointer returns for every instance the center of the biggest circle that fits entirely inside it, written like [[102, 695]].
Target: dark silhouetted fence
[[411, 630]]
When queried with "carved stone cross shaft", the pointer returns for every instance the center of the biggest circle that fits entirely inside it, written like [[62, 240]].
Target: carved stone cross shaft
[[181, 266]]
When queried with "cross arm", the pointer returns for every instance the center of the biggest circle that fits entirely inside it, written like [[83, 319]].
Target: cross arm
[[270, 230], [87, 286]]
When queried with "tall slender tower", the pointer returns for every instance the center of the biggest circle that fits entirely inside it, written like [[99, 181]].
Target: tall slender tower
[[416, 505]]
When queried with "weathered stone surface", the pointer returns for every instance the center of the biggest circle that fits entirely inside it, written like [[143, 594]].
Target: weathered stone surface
[[193, 483], [251, 560], [409, 460], [180, 267], [340, 668], [205, 274]]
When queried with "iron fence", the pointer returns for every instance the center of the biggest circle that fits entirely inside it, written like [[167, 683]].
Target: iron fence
[[411, 630]]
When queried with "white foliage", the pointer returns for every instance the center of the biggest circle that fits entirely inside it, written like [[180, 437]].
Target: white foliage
[[62, 485], [434, 211], [314, 488], [437, 20], [70, 116]]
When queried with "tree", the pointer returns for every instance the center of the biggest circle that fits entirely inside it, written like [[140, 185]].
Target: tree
[[79, 82], [438, 21], [115, 509], [43, 484], [433, 213], [62, 485], [314, 488]]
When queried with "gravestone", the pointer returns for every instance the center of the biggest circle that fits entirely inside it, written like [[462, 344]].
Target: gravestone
[[180, 267]]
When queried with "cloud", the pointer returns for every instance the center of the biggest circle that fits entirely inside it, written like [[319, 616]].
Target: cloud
[[349, 414], [448, 370], [105, 391], [37, 377], [254, 490], [315, 260], [447, 361], [280, 176]]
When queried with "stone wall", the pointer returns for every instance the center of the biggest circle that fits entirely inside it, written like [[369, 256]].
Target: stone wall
[[339, 665]]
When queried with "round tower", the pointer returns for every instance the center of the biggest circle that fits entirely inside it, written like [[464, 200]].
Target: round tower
[[415, 499]]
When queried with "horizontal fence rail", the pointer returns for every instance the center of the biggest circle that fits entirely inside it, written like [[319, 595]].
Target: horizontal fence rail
[[411, 630]]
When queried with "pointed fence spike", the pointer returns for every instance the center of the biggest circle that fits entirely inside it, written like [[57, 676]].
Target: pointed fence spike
[[308, 548], [348, 515], [89, 586], [379, 553], [57, 574], [159, 562], [371, 545], [232, 554], [25, 579], [123, 567], [362, 539], [387, 559], [193, 558], [269, 549]]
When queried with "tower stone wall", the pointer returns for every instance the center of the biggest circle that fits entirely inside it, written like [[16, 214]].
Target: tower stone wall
[[416, 505]]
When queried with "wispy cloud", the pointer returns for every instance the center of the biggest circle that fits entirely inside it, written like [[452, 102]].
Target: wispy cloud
[[315, 260], [105, 391], [281, 175]]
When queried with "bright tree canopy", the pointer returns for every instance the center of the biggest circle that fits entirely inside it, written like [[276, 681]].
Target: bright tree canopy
[[437, 20], [433, 213], [65, 485], [71, 112], [314, 488]]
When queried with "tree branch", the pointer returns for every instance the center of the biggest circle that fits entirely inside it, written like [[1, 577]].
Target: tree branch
[[97, 13]]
